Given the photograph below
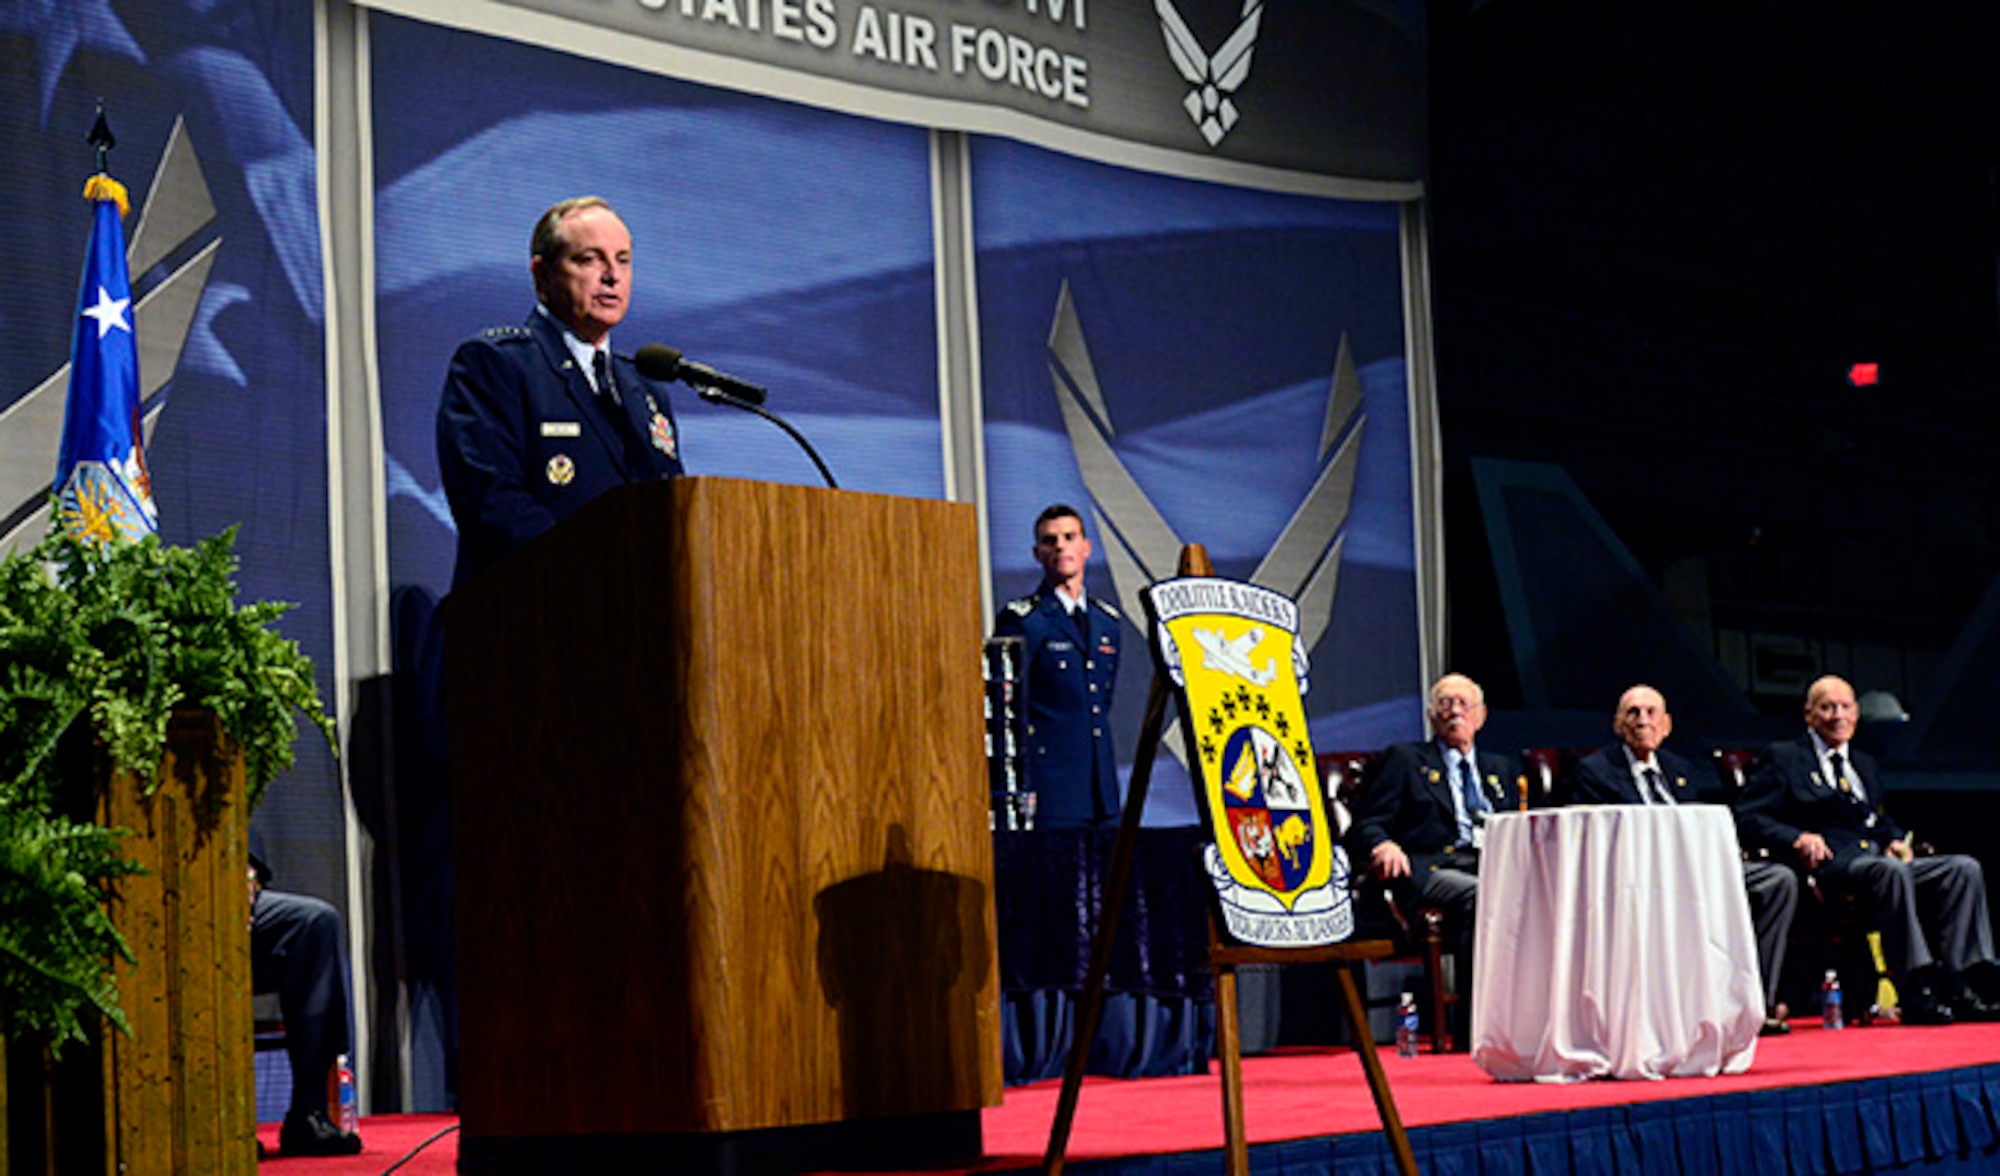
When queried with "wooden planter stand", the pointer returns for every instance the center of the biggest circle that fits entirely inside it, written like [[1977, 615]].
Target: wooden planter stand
[[178, 1094]]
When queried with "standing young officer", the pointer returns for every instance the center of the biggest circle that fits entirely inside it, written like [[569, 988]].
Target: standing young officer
[[1069, 663]]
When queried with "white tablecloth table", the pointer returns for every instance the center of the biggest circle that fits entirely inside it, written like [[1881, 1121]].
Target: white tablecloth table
[[1614, 941]]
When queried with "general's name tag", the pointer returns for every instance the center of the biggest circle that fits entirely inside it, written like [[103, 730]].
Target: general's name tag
[[562, 429]]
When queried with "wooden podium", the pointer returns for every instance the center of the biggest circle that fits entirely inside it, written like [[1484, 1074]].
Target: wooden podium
[[723, 870], [177, 1094]]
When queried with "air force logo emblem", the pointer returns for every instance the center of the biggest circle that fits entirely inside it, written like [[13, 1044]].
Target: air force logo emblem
[[1216, 76], [1140, 546], [1232, 649]]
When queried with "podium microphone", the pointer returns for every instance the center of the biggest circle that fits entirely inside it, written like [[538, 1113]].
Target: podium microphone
[[657, 361]]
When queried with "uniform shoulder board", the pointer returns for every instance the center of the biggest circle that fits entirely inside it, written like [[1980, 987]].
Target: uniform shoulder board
[[497, 333], [1021, 607], [1107, 608]]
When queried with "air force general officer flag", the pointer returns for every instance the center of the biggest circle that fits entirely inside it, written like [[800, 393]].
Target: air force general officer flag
[[102, 490]]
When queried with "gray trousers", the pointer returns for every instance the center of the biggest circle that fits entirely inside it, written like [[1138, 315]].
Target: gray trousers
[[1930, 911], [1773, 891], [1456, 892]]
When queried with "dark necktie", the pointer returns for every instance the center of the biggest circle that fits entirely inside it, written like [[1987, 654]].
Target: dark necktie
[[600, 366], [613, 408], [1839, 768], [1468, 786], [1656, 787]]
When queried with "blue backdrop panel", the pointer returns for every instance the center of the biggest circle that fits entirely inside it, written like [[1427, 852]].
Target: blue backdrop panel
[[242, 437], [782, 244], [1214, 318]]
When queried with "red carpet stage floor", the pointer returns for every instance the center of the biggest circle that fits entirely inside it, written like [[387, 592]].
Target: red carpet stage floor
[[1883, 1099]]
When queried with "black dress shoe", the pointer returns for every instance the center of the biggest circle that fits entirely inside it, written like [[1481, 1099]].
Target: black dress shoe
[[1923, 1008], [1983, 981], [1775, 1027], [313, 1134], [1967, 1006]]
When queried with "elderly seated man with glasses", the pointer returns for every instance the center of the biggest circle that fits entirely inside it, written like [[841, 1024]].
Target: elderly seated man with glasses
[[1419, 825]]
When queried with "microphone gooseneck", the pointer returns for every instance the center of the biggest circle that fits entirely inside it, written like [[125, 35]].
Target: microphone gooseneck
[[657, 361]]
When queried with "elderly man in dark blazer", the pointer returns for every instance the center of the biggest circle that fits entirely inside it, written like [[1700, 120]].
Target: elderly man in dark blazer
[[1638, 770], [539, 419], [1419, 824], [1821, 800]]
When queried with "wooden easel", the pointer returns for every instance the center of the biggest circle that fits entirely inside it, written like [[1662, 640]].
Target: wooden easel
[[1224, 958]]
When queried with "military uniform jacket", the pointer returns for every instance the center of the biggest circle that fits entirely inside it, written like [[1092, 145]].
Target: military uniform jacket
[[523, 441], [1067, 675], [1605, 777], [1789, 794]]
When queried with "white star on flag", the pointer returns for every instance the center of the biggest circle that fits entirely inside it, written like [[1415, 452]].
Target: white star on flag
[[103, 494], [109, 312]]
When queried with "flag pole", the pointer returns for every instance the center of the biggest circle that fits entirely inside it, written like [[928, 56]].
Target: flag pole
[[101, 488], [100, 137]]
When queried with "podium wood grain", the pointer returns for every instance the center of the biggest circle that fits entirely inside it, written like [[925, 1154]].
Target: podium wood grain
[[719, 815], [179, 1091]]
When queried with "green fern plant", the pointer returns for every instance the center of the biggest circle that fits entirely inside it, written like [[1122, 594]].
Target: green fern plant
[[110, 640], [57, 943]]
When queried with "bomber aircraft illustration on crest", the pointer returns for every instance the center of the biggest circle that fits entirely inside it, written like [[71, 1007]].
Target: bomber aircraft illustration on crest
[[1233, 657]]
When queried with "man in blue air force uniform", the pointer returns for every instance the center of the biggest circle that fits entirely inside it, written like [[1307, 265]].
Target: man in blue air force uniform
[[1637, 770], [1069, 662], [539, 419]]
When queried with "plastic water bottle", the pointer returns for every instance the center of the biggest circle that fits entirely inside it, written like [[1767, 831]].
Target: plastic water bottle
[[1830, 1016], [1406, 1027], [350, 1109]]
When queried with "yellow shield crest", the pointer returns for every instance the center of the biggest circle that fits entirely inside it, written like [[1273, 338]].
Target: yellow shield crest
[[1232, 649]]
